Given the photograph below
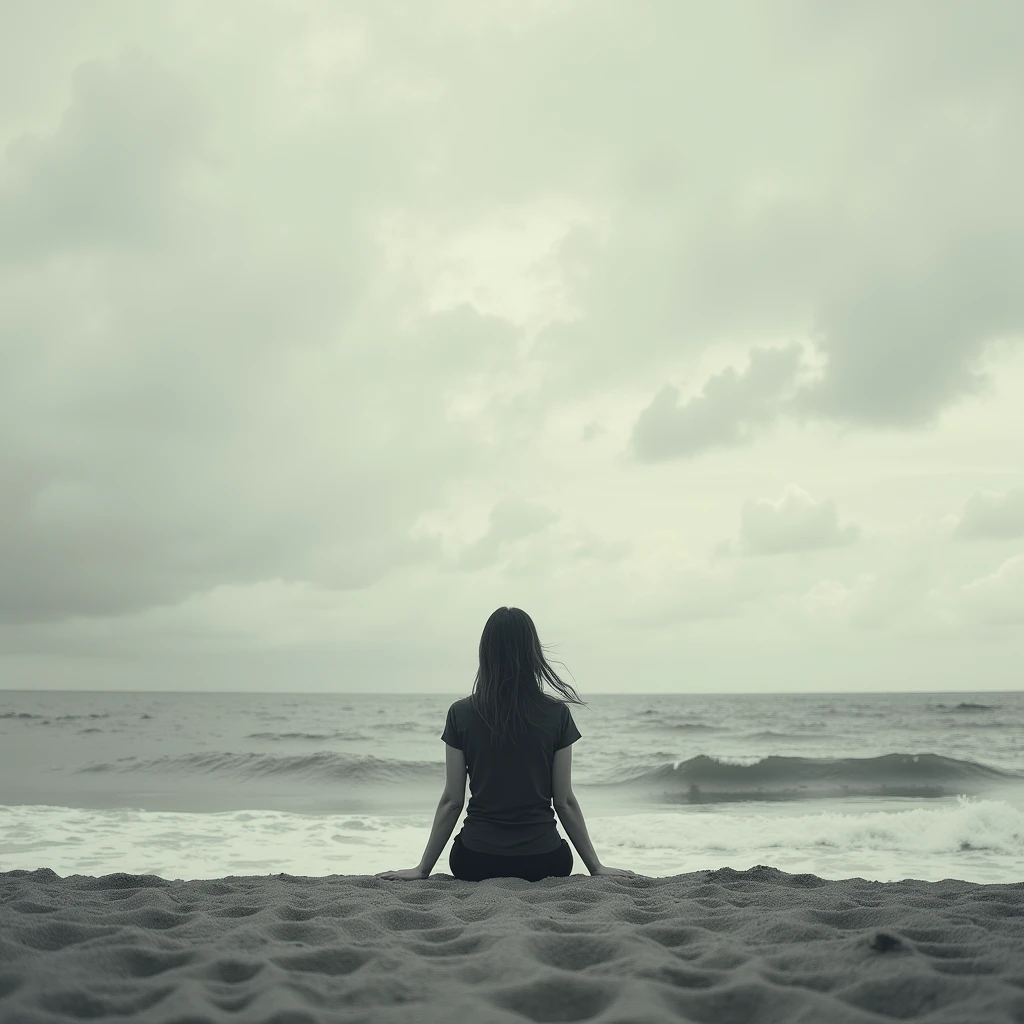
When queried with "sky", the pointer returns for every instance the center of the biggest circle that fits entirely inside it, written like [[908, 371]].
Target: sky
[[692, 329]]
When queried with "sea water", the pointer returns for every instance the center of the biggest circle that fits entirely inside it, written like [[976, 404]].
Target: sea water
[[201, 785]]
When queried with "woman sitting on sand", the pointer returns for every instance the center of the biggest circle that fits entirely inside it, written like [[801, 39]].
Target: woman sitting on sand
[[509, 830]]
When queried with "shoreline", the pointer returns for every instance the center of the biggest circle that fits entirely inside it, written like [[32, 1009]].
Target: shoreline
[[715, 945]]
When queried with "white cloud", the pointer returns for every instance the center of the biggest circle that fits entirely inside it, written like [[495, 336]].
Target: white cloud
[[795, 522]]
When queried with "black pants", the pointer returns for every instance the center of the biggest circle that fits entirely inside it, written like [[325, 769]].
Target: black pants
[[471, 866]]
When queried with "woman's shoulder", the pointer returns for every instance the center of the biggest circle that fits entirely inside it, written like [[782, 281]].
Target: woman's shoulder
[[553, 704], [544, 700]]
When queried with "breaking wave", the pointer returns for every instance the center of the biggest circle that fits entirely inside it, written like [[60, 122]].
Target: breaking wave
[[703, 779]]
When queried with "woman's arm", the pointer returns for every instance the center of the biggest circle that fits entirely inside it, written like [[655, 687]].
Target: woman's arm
[[446, 817]]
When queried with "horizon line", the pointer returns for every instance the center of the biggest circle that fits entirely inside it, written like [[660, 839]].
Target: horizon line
[[448, 693]]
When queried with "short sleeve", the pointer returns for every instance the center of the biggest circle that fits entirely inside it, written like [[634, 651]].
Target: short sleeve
[[451, 730], [568, 733]]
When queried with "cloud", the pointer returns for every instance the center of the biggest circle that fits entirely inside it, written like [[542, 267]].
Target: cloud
[[867, 603], [277, 291], [886, 226], [113, 171], [998, 597], [992, 515], [795, 522], [511, 519], [730, 405], [200, 388]]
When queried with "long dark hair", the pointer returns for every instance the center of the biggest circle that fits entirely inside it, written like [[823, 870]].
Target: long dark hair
[[513, 669]]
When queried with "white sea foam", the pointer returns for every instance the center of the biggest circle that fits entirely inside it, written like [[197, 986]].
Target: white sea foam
[[976, 840]]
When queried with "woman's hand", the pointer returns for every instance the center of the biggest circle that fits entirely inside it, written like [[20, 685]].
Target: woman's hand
[[603, 869], [403, 873]]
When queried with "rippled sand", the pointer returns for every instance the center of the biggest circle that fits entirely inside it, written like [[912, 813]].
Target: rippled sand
[[720, 947]]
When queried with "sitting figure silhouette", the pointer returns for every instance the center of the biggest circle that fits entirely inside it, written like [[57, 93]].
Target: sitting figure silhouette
[[515, 742]]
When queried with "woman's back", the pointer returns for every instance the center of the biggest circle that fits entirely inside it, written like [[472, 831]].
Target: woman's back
[[510, 812]]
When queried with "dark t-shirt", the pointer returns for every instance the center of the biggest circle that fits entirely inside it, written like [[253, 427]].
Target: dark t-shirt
[[510, 811]]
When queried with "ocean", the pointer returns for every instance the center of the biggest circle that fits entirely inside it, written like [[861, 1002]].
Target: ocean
[[205, 785]]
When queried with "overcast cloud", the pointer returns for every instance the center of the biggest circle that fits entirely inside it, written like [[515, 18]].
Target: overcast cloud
[[326, 329]]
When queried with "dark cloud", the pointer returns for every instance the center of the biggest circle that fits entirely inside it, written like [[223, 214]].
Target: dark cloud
[[731, 405], [882, 223], [217, 369], [992, 515], [112, 172], [201, 388], [901, 347]]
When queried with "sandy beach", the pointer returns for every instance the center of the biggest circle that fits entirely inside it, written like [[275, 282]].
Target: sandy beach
[[715, 946]]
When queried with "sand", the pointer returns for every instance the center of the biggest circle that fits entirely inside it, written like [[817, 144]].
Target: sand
[[719, 946]]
